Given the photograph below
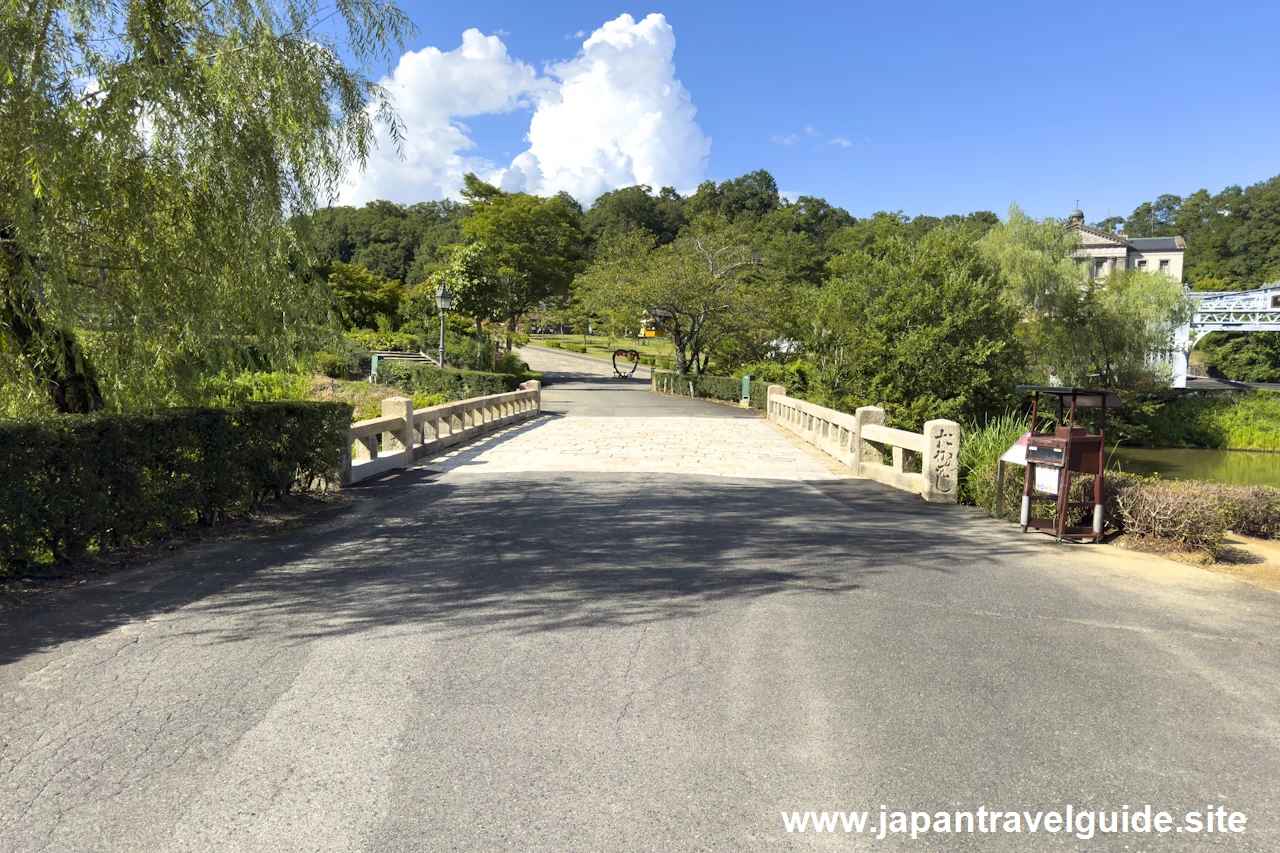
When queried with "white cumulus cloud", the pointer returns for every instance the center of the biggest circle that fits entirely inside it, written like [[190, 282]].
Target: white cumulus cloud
[[432, 89], [613, 116], [839, 140], [619, 117]]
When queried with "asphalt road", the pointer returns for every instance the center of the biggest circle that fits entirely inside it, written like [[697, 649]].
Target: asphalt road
[[625, 662]]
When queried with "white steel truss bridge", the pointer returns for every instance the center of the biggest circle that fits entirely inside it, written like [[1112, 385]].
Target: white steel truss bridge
[[1225, 311]]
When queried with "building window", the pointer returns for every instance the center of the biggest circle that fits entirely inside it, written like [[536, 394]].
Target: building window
[[1142, 265], [1164, 266], [1099, 268]]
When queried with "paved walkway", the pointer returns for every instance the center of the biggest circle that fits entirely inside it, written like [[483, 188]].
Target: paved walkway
[[691, 446], [598, 423], [616, 662]]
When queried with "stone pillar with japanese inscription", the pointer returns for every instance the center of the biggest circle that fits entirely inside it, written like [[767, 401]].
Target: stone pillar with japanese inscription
[[940, 464]]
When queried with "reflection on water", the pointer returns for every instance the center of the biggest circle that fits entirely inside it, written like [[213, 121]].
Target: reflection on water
[[1240, 467]]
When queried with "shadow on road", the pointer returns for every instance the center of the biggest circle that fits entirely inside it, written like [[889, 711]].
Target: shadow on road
[[527, 554]]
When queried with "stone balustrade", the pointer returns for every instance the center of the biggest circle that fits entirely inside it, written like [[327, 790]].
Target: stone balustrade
[[404, 434], [926, 463]]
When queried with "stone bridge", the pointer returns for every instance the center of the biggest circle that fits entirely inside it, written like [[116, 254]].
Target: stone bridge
[[594, 422], [635, 623]]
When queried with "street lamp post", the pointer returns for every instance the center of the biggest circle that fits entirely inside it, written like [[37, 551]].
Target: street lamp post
[[444, 301]]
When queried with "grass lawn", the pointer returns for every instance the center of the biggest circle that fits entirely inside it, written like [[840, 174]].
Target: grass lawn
[[599, 346]]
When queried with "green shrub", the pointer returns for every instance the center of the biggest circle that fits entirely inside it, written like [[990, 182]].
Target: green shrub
[[553, 344], [224, 391], [332, 365], [794, 376], [1247, 510], [574, 347], [456, 384], [513, 365], [1188, 514], [426, 401], [387, 341], [372, 407], [101, 481]]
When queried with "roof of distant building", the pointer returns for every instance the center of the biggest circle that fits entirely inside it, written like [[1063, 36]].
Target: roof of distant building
[[1157, 244]]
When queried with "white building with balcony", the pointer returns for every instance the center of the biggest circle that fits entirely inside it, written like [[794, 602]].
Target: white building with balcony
[[1108, 252]]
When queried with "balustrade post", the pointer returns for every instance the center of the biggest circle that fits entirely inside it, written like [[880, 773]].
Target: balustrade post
[[366, 448], [535, 386], [344, 467], [401, 439], [774, 391], [430, 430], [863, 450]]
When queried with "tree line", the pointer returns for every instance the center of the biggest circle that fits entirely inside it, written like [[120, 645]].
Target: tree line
[[764, 257], [926, 316], [1233, 236], [159, 227]]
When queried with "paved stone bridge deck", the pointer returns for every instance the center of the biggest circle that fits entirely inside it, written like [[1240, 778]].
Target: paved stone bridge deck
[[605, 425], [581, 650]]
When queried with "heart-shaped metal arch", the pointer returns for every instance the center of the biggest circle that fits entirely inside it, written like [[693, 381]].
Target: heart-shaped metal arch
[[627, 353]]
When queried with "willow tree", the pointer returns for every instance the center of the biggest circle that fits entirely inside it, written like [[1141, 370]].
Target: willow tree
[[1112, 331], [154, 158]]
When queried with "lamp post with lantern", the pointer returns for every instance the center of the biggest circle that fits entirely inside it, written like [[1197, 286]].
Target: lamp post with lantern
[[444, 301]]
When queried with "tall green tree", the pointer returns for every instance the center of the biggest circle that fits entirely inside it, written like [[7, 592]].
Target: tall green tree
[[485, 289], [699, 287], [153, 159], [748, 198], [920, 328], [361, 297], [1244, 357], [1232, 235], [535, 243], [619, 211]]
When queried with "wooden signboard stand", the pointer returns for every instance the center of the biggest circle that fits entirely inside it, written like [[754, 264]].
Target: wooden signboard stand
[[1066, 450]]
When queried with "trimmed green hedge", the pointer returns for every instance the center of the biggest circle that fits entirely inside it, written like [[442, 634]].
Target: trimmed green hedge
[[574, 348], [724, 388], [458, 384], [552, 344], [101, 481]]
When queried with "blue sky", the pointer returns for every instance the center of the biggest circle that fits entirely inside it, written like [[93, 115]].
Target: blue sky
[[946, 107]]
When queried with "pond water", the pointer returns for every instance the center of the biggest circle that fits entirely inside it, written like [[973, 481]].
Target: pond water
[[1239, 467]]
